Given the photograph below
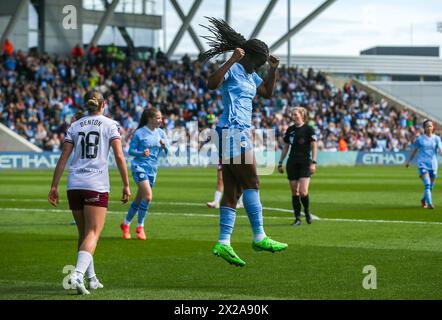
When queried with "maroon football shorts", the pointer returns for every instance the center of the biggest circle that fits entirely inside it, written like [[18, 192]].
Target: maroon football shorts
[[80, 198]]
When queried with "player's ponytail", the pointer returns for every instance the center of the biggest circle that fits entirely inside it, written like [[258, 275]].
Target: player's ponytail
[[94, 101], [224, 38], [147, 114]]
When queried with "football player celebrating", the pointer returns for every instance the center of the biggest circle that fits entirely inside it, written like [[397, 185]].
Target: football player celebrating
[[145, 146], [239, 83]]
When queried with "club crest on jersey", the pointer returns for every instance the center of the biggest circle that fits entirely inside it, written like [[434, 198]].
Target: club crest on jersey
[[142, 175], [291, 139]]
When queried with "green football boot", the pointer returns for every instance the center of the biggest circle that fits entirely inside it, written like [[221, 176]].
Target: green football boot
[[226, 252], [268, 244]]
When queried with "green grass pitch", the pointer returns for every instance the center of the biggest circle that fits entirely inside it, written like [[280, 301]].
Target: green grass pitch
[[369, 216]]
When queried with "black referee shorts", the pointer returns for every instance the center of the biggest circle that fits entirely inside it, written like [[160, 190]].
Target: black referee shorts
[[298, 170]]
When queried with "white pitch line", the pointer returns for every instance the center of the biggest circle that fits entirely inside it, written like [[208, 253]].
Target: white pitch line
[[124, 212], [217, 216], [192, 204], [382, 221], [291, 211]]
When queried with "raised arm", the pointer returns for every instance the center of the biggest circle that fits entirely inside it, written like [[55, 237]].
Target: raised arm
[[216, 78], [58, 172], [265, 90], [121, 164]]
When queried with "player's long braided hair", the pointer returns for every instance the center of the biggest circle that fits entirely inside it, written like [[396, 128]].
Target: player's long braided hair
[[224, 38]]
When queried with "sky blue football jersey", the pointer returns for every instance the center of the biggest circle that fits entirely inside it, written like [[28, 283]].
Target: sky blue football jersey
[[238, 91], [428, 148], [142, 139]]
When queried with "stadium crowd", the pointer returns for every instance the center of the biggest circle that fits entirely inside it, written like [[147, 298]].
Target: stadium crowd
[[40, 94]]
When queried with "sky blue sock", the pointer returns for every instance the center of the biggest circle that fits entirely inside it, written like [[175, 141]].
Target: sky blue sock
[[253, 207], [427, 189], [142, 211], [131, 212], [226, 223]]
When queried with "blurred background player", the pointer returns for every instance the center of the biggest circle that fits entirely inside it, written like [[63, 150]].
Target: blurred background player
[[219, 191], [145, 146], [240, 83], [427, 147], [301, 140], [88, 182]]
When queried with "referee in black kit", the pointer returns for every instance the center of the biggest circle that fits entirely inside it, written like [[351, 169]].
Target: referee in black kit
[[300, 166]]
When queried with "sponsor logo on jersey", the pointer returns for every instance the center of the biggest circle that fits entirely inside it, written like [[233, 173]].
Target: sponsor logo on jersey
[[248, 85], [88, 170]]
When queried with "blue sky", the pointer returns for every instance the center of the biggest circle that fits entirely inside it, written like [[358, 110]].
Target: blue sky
[[345, 28]]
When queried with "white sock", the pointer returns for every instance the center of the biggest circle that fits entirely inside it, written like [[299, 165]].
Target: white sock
[[218, 195], [90, 271], [258, 237], [225, 242], [240, 201], [126, 223], [83, 261], [141, 225]]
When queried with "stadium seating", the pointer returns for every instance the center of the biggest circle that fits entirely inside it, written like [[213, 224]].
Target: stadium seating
[[39, 95]]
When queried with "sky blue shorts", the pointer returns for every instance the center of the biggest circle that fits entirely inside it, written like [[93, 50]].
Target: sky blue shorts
[[432, 173], [141, 176], [233, 142]]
